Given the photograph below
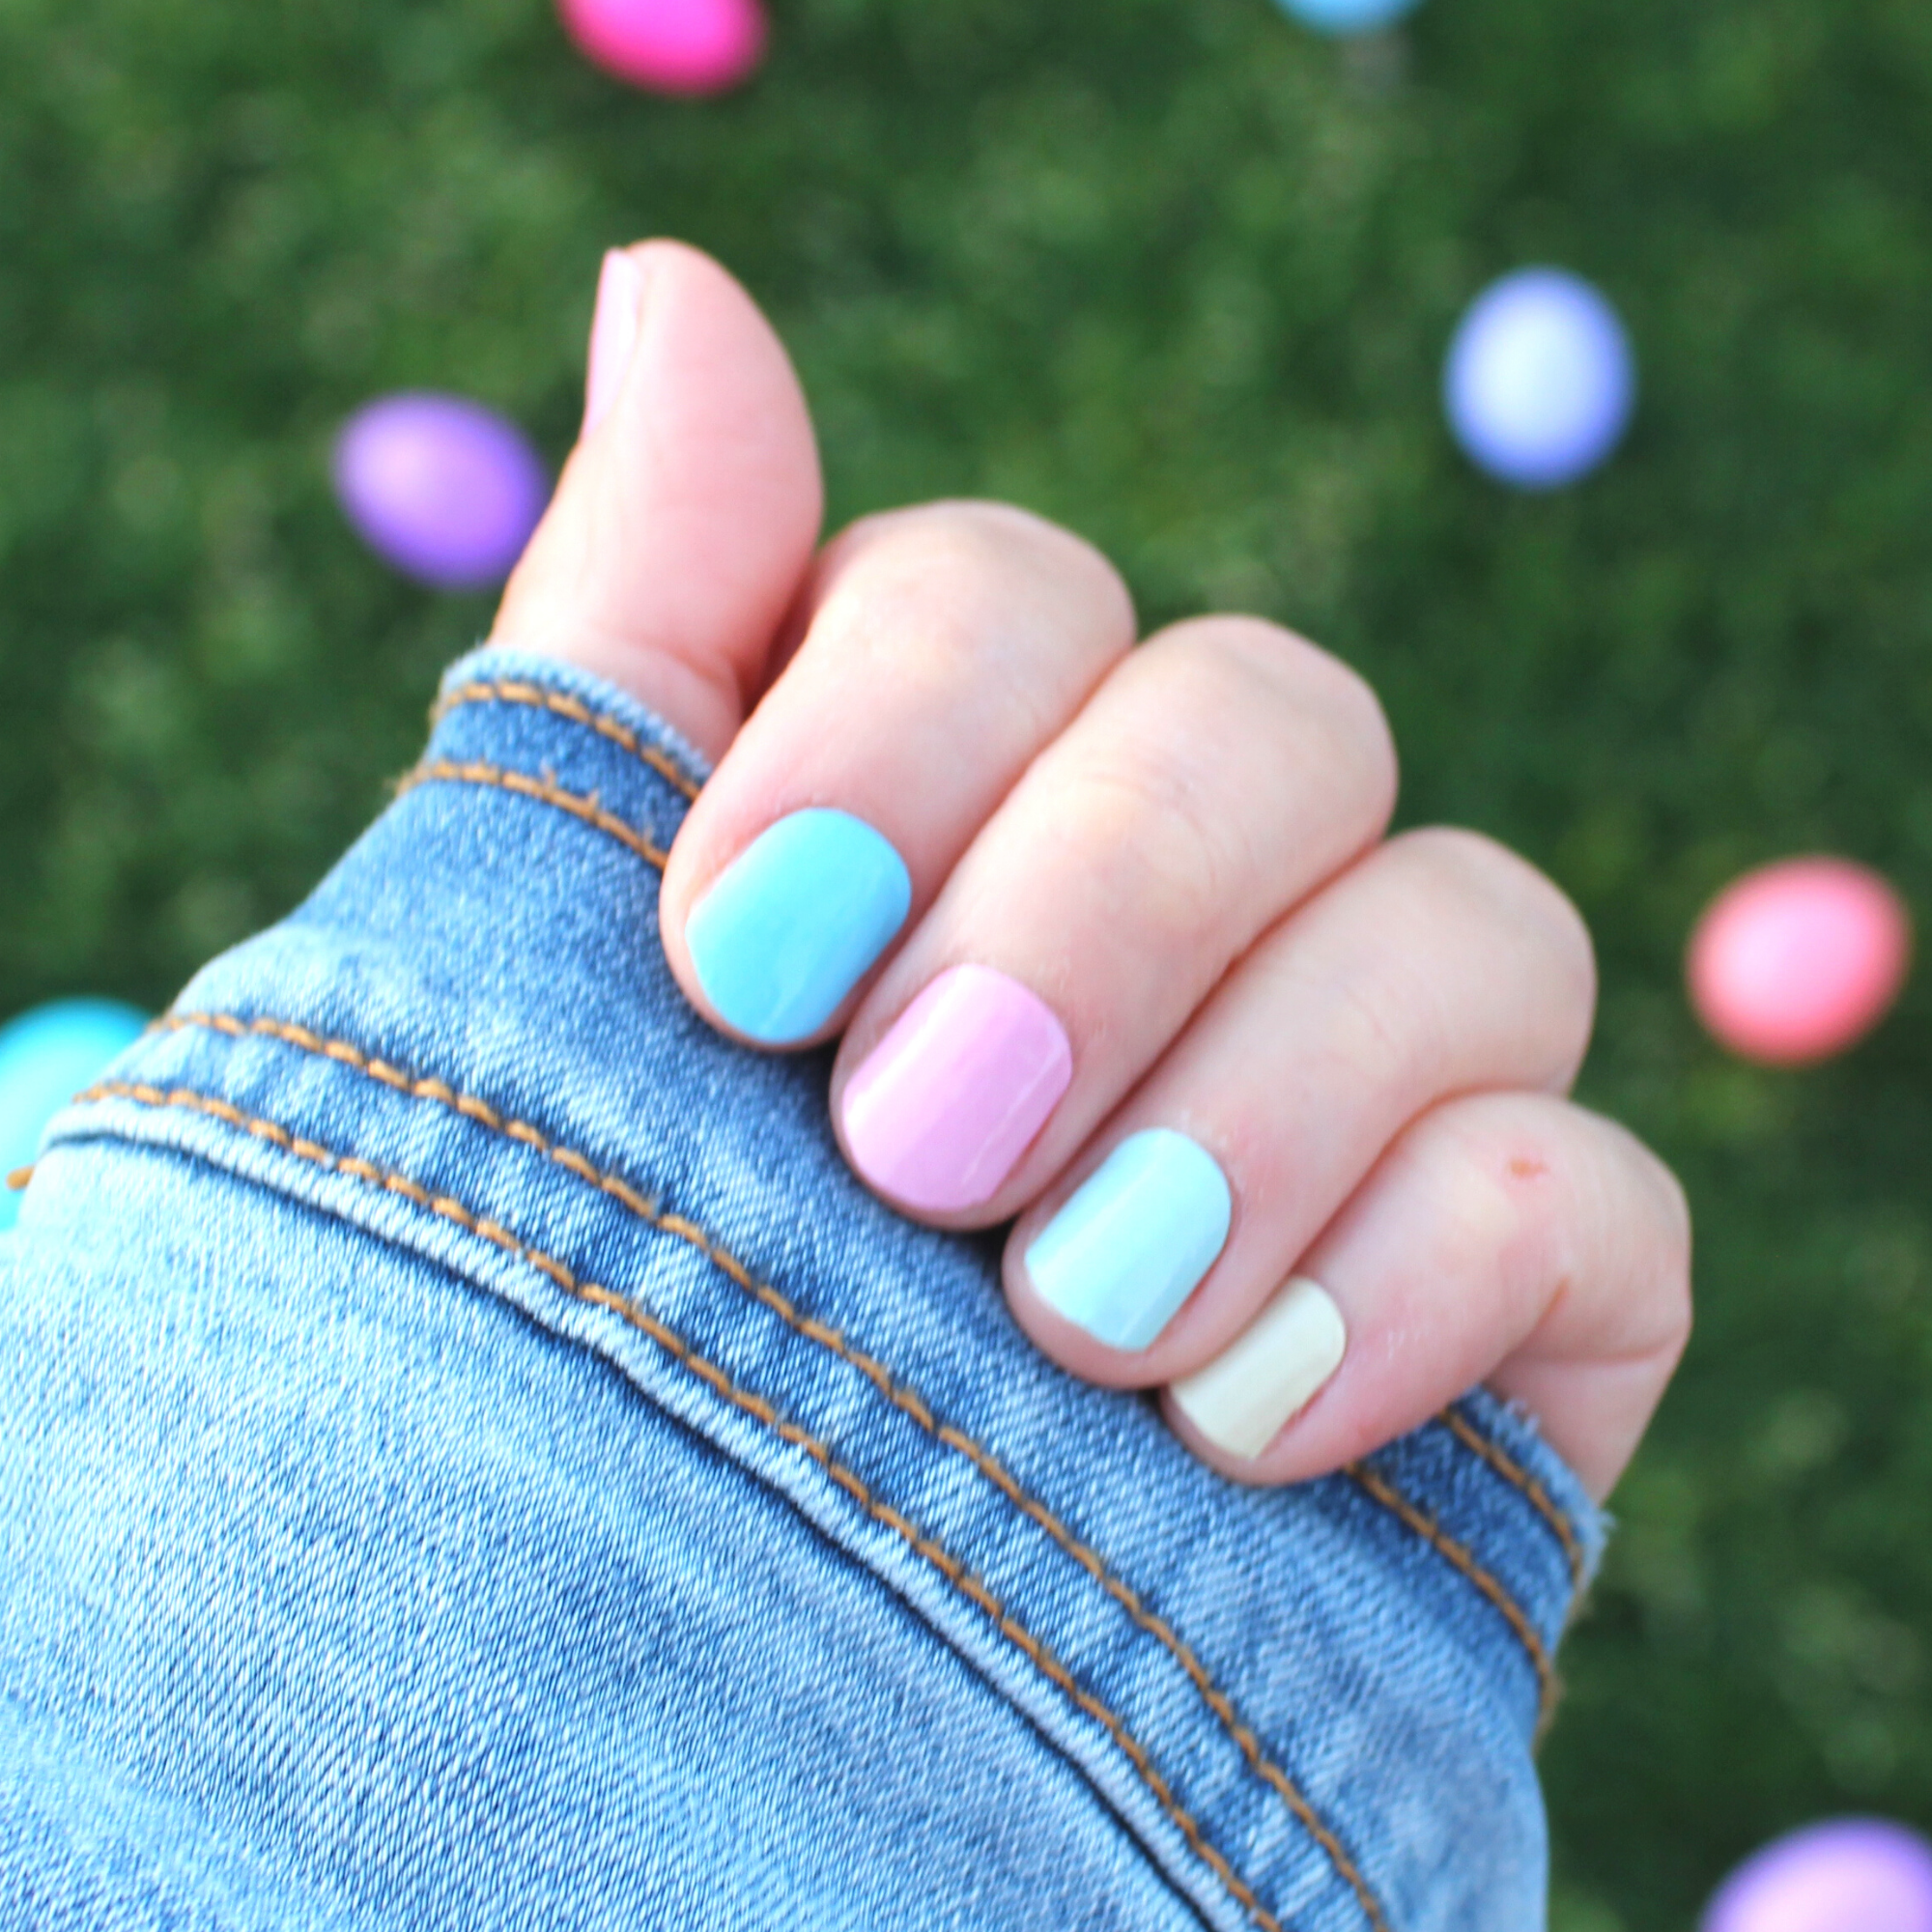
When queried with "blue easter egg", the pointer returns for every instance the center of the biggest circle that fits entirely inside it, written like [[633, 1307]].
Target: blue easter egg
[[47, 1056], [1541, 381], [1348, 17]]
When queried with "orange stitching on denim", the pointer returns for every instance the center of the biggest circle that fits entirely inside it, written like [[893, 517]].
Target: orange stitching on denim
[[513, 691], [1463, 1560], [1514, 1473], [719, 1381], [1447, 1546], [983, 1459], [587, 809], [438, 1091], [873, 1370], [18, 1180], [579, 805]]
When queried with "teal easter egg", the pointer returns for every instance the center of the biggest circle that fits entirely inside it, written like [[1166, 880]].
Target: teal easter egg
[[47, 1056]]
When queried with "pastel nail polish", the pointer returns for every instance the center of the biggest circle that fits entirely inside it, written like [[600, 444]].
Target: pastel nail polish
[[1130, 1246], [1250, 1392], [794, 922], [945, 1105], [613, 334]]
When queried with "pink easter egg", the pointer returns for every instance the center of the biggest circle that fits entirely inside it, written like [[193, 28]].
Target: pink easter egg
[[1799, 960], [1847, 1875], [671, 46]]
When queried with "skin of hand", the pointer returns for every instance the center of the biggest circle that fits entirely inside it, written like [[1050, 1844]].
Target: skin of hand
[[1130, 936]]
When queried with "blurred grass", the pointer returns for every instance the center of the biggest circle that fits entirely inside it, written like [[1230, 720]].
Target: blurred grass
[[1181, 275]]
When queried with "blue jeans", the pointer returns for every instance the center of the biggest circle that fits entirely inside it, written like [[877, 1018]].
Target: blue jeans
[[472, 1454]]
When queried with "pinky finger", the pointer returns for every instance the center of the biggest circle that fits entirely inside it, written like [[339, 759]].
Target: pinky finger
[[1508, 1238]]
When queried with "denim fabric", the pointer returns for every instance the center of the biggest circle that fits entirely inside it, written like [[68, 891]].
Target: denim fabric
[[472, 1454]]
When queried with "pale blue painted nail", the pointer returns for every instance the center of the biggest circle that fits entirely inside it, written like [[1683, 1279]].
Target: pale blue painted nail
[[1123, 1254], [793, 925]]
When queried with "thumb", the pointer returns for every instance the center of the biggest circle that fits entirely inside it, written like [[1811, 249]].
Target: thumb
[[688, 513]]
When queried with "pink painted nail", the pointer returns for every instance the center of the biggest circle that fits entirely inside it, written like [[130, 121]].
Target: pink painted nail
[[613, 334], [946, 1104]]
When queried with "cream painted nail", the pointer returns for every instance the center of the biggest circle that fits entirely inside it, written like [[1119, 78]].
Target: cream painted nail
[[1243, 1398]]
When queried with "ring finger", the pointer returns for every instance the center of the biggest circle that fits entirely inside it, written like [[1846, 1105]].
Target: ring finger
[[1439, 964]]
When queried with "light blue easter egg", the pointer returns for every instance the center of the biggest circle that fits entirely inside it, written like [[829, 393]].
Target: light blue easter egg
[[1348, 17], [1540, 381], [47, 1056]]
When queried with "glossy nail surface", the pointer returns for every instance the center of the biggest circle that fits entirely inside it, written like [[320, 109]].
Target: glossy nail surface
[[945, 1105], [1247, 1395], [795, 922], [1130, 1246], [613, 334]]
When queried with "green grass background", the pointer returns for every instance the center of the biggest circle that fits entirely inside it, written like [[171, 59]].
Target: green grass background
[[1180, 274]]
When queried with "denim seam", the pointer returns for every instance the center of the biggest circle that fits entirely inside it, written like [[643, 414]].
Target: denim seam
[[516, 691], [1518, 1477], [584, 805], [521, 693], [894, 1391], [560, 704], [1459, 1558], [722, 1384]]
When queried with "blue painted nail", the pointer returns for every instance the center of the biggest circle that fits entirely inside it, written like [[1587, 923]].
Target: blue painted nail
[[791, 925], [1123, 1254]]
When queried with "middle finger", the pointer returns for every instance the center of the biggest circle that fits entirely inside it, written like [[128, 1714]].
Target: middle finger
[[1216, 777]]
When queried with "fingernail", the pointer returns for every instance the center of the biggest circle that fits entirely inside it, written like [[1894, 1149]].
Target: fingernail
[[1244, 1398], [613, 334], [793, 925], [950, 1100], [1126, 1250]]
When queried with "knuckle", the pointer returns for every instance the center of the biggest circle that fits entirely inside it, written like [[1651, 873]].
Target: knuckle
[[1164, 861], [1478, 876], [1538, 1193], [981, 560], [1643, 1221], [1489, 1163], [1619, 1214], [1670, 1280], [1011, 529], [1319, 694], [1371, 1032]]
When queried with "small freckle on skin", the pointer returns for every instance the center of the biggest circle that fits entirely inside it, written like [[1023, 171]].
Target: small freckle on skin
[[1524, 1167]]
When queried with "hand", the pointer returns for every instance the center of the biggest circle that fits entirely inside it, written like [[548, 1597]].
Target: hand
[[1112, 932]]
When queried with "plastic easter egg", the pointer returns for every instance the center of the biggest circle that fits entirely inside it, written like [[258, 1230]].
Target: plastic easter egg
[[47, 1056], [1540, 381], [1799, 960], [670, 46], [1348, 17], [1850, 1875], [446, 490]]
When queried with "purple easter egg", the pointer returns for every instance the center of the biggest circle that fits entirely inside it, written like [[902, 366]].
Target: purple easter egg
[[443, 489], [1849, 1875]]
